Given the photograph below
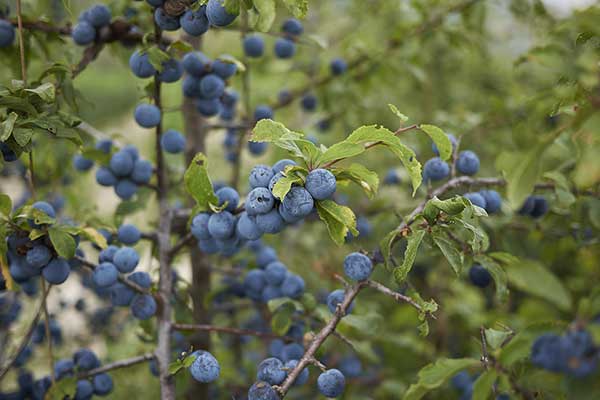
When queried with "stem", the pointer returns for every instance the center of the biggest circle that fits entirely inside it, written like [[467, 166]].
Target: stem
[[128, 362], [48, 334], [232, 331], [21, 43]]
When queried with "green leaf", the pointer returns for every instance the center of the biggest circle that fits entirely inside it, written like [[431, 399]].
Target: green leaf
[[266, 14], [482, 388], [376, 134], [267, 130], [339, 220], [46, 91], [63, 242], [452, 206], [5, 204], [414, 241], [435, 375], [181, 46], [495, 338], [282, 319], [364, 323], [22, 136], [232, 60], [440, 139], [157, 57], [448, 248], [361, 175], [397, 112], [498, 274], [7, 126], [198, 184], [95, 237], [189, 360], [298, 8], [38, 216], [522, 171], [385, 246], [341, 151], [283, 185], [532, 277], [62, 389], [175, 367], [520, 346], [18, 104], [232, 6]]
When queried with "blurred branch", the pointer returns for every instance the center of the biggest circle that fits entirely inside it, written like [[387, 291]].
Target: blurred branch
[[128, 362], [232, 331]]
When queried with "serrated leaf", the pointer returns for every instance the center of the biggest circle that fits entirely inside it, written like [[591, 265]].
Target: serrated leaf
[[377, 134], [189, 360], [339, 220], [385, 246], [267, 130], [284, 184], [498, 274], [482, 388], [63, 242], [532, 277], [397, 112], [361, 175], [23, 136], [341, 151], [5, 204], [46, 91], [423, 328], [448, 248], [95, 237], [410, 254], [435, 375], [7, 126], [265, 14], [282, 319], [298, 8], [198, 184], [441, 140]]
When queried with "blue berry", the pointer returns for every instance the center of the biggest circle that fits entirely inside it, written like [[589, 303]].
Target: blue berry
[[262, 391], [44, 207], [263, 112], [7, 153], [259, 201], [81, 163], [83, 33], [141, 278], [293, 286], [257, 148], [195, 63], [103, 384], [467, 163], [85, 360], [302, 377], [63, 368], [479, 276], [292, 351], [128, 234], [292, 26], [217, 15], [247, 228], [211, 86], [350, 367], [298, 202], [98, 15], [335, 298], [271, 371], [57, 271], [527, 206], [493, 201], [476, 199], [147, 115], [254, 283], [229, 195], [309, 102], [208, 246], [540, 207], [142, 172], [284, 48], [357, 266], [260, 176], [108, 254], [191, 86], [7, 33], [320, 183], [270, 222], [172, 71], [221, 225], [143, 306], [38, 256], [126, 259], [223, 68], [208, 107], [84, 390], [435, 170], [121, 163], [275, 273], [140, 65], [254, 46], [265, 256], [331, 383], [280, 165], [105, 275], [200, 226], [172, 141], [195, 23], [165, 21], [125, 189], [338, 66], [392, 177], [205, 367]]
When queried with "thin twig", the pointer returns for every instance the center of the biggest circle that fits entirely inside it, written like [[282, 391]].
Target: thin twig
[[48, 333], [183, 242], [128, 362], [397, 296]]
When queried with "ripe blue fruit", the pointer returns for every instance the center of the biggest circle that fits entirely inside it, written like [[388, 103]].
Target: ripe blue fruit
[[195, 23], [331, 383], [479, 276], [284, 48], [104, 145], [259, 201], [38, 256], [260, 176], [191, 86], [200, 226], [247, 228], [140, 65], [540, 207], [223, 68], [229, 195], [350, 366], [208, 246], [263, 112], [270, 292], [453, 140], [286, 216], [467, 162], [85, 359], [105, 275], [57, 271], [126, 259], [476, 199], [141, 278], [254, 46], [262, 391], [292, 26], [254, 283], [142, 172], [230, 97], [147, 115], [83, 33], [292, 351], [81, 163], [63, 368], [172, 141], [128, 234], [309, 102], [302, 377], [392, 177], [7, 153], [221, 225], [217, 15], [271, 371], [337, 297], [527, 206], [275, 273], [143, 306], [121, 295], [195, 63], [435, 169], [298, 202], [98, 15], [358, 266], [493, 201], [44, 207], [461, 381], [280, 165], [265, 255], [172, 71], [338, 66], [284, 96], [270, 222], [84, 390], [7, 33], [211, 86], [320, 183], [293, 286], [205, 367], [208, 107], [108, 254], [103, 384], [125, 189], [257, 148], [165, 21], [121, 163]]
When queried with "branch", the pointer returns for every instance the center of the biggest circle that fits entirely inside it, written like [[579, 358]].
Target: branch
[[399, 297], [128, 362], [231, 331], [122, 279], [183, 242]]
